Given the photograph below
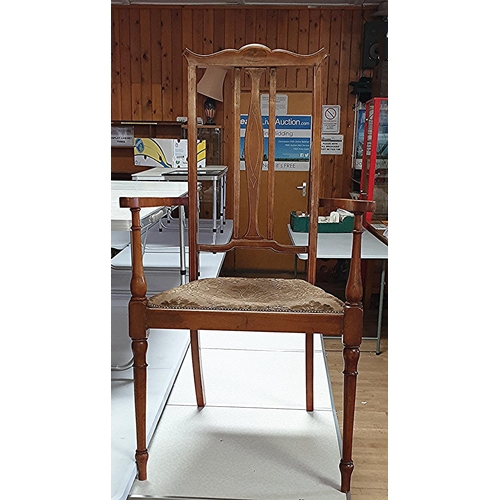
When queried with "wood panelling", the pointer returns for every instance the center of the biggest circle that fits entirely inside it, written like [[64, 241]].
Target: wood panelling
[[149, 74]]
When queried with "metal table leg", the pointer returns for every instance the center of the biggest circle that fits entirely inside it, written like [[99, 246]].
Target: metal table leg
[[182, 244], [222, 207], [214, 208]]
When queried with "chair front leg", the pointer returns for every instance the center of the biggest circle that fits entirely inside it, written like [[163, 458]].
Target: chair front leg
[[138, 333], [139, 348], [351, 341]]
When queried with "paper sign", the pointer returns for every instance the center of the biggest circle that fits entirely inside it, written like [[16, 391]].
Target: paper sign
[[332, 144], [281, 104], [330, 119], [122, 136]]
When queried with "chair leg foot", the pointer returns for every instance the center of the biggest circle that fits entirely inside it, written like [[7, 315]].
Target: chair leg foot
[[346, 469], [141, 458]]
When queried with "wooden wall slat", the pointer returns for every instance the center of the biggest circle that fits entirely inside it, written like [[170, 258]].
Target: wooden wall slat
[[324, 41], [125, 75], [219, 29], [314, 40], [208, 31], [303, 46], [146, 90], [148, 71], [179, 20], [355, 72], [250, 25], [156, 46], [135, 46], [239, 31], [293, 45], [156, 58], [271, 39], [115, 47], [327, 160], [116, 101], [156, 100], [343, 97], [261, 27], [116, 98], [250, 34], [333, 63], [166, 65], [192, 28], [136, 101], [229, 28]]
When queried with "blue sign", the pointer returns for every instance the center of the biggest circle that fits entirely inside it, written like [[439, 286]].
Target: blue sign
[[292, 144]]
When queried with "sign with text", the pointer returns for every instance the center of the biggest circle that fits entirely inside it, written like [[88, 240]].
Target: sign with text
[[292, 146], [330, 118], [332, 144], [281, 104], [122, 136]]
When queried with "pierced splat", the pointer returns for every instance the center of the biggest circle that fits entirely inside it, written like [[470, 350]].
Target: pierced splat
[[254, 153]]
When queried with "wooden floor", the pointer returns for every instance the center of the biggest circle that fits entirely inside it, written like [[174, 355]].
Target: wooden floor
[[370, 455]]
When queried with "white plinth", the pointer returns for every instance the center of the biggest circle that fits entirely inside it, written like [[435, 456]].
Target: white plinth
[[254, 439]]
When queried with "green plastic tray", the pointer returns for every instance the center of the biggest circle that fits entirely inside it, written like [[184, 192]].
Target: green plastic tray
[[301, 225]]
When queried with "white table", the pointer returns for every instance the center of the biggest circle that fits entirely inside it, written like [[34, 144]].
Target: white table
[[121, 218], [162, 255], [339, 246], [214, 173]]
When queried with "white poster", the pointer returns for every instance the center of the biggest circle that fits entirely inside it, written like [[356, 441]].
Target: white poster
[[330, 119], [122, 136], [332, 144], [281, 104]]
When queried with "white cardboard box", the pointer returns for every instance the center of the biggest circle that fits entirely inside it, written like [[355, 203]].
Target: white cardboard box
[[167, 153]]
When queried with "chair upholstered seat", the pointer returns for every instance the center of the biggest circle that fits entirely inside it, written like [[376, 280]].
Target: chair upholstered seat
[[249, 294]]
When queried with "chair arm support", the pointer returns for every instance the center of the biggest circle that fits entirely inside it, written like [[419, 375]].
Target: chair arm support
[[354, 206], [138, 202]]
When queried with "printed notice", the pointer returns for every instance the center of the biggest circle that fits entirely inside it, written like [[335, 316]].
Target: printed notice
[[330, 118], [332, 144], [281, 104], [122, 136]]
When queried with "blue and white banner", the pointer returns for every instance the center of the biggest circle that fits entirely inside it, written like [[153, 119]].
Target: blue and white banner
[[292, 145]]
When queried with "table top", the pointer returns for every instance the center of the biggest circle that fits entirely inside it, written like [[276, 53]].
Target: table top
[[339, 245], [121, 217], [210, 172]]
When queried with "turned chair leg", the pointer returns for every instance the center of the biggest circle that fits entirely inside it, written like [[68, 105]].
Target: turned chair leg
[[139, 348], [309, 371], [197, 371], [351, 356]]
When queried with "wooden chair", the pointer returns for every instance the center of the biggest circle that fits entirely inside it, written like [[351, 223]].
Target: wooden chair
[[250, 304]]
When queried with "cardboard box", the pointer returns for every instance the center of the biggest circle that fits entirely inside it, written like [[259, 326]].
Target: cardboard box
[[167, 153]]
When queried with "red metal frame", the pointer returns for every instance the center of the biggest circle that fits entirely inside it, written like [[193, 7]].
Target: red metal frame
[[370, 141]]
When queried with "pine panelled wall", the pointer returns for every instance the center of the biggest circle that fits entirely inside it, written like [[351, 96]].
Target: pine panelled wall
[[149, 72]]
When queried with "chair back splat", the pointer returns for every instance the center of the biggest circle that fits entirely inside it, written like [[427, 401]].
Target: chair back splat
[[250, 304], [256, 60]]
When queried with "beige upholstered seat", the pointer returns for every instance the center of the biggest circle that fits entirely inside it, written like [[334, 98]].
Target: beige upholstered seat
[[249, 294]]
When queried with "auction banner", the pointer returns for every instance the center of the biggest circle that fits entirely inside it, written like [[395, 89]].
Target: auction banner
[[292, 145]]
